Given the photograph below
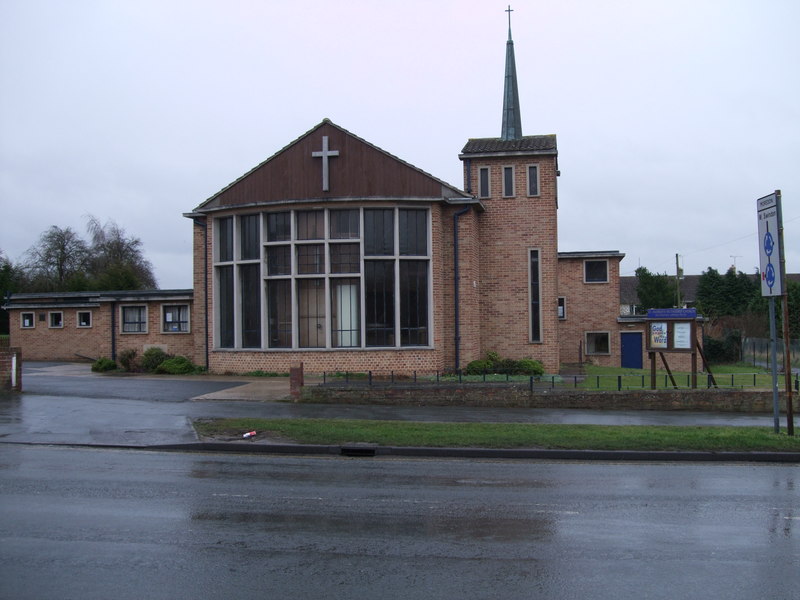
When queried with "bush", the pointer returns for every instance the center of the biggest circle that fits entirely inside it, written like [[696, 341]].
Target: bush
[[177, 365], [528, 366], [152, 358], [727, 350], [127, 358], [101, 365], [479, 367]]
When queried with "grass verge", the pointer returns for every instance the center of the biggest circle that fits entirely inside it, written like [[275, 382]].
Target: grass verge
[[505, 435]]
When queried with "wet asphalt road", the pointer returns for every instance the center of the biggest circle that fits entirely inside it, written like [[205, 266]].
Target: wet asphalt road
[[99, 524]]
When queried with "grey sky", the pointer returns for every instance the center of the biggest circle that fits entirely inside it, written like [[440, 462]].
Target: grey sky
[[672, 118]]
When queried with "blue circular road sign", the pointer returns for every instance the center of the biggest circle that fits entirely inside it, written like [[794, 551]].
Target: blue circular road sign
[[769, 244]]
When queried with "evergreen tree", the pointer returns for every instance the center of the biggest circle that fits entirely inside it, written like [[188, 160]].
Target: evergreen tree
[[654, 290]]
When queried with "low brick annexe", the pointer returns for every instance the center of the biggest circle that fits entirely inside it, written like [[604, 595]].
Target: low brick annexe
[[478, 395]]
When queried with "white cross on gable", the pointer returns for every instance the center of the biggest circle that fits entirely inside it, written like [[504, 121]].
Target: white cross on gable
[[325, 154]]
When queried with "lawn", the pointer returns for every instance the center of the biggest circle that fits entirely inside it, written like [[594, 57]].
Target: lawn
[[503, 435], [740, 375]]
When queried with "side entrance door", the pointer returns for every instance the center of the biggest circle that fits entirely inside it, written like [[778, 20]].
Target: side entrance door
[[631, 344]]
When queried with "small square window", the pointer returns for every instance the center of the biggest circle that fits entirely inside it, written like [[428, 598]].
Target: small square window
[[27, 320], [134, 319], [508, 182], [84, 318], [597, 342], [176, 318], [562, 308], [56, 320], [595, 271]]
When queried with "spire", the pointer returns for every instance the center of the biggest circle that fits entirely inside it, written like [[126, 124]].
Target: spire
[[512, 120]]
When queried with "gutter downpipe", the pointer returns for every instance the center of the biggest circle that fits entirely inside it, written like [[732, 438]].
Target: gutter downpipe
[[204, 225], [114, 330], [456, 280]]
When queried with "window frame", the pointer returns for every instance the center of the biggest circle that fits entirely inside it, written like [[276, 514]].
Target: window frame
[[53, 313], [281, 302], [561, 308], [538, 180], [506, 192], [487, 193], [22, 320], [535, 318], [122, 321], [78, 323], [164, 308], [586, 335], [585, 273]]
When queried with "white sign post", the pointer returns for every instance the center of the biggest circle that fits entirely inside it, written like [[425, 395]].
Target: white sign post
[[770, 252]]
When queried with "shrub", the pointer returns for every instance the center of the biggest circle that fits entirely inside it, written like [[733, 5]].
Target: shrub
[[101, 365], [127, 358], [528, 366], [153, 357], [177, 365], [479, 367]]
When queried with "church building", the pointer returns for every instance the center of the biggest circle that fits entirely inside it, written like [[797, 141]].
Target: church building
[[338, 254]]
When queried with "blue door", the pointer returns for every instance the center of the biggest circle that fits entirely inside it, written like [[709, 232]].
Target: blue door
[[631, 343]]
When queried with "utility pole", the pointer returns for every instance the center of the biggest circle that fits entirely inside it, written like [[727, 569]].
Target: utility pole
[[678, 276]]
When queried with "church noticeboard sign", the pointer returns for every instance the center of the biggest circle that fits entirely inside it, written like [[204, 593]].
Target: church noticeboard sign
[[671, 329]]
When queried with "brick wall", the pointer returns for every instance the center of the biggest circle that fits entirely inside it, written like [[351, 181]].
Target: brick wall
[[509, 229], [10, 369], [590, 307]]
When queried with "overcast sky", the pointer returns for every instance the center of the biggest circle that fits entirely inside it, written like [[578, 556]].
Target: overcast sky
[[672, 117]]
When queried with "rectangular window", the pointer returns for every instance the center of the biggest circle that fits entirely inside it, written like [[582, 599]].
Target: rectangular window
[[536, 297], [279, 313], [508, 182], [345, 258], [413, 226], [345, 313], [175, 318], [414, 303], [310, 259], [225, 306], [379, 302], [134, 319], [56, 320], [597, 342], [279, 260], [27, 320], [483, 183], [84, 318], [310, 225], [250, 294], [379, 232], [533, 180], [344, 224], [595, 271], [311, 312], [225, 235], [279, 227], [249, 237], [562, 307]]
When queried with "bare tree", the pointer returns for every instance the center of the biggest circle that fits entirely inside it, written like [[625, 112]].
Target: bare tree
[[117, 261], [57, 262]]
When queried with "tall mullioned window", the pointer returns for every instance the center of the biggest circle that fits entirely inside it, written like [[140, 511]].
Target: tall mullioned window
[[536, 297], [331, 278]]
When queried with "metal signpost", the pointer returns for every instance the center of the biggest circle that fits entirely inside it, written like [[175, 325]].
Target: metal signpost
[[772, 270]]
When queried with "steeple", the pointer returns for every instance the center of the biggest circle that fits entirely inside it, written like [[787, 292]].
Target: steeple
[[512, 120]]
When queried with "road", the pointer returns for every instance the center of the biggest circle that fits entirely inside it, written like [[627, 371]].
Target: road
[[99, 523]]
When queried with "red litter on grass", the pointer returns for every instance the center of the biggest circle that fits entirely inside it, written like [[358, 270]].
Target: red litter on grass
[[249, 434]]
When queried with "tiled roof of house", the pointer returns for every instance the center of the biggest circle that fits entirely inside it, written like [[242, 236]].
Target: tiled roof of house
[[540, 144]]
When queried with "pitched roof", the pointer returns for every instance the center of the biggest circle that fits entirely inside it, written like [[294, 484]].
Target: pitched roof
[[529, 144]]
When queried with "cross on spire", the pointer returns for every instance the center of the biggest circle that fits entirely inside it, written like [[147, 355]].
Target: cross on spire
[[325, 155], [509, 10], [512, 120]]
